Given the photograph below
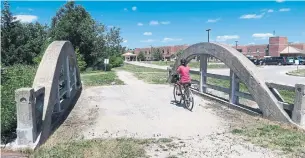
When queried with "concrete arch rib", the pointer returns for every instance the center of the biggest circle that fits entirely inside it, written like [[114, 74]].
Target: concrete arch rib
[[246, 71], [48, 74]]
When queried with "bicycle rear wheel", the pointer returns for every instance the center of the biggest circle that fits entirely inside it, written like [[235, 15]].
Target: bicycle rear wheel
[[176, 96]]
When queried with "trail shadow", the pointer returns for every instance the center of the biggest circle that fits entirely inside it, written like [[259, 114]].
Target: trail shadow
[[59, 118], [177, 103]]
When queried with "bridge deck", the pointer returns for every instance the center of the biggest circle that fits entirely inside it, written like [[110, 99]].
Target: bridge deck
[[145, 111]]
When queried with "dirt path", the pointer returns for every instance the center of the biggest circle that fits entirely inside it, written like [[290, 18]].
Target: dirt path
[[140, 110]]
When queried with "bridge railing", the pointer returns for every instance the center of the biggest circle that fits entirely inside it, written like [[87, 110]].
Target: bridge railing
[[56, 86], [244, 72], [296, 111]]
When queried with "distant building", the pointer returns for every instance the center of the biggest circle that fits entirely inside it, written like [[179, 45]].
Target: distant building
[[277, 46], [166, 51]]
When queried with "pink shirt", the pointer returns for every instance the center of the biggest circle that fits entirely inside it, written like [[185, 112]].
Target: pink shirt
[[184, 74]]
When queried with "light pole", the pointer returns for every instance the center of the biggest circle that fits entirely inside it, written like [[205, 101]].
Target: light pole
[[236, 44], [208, 34]]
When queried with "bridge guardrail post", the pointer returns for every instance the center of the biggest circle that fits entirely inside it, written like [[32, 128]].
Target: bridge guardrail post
[[26, 123], [234, 87], [298, 113], [203, 72], [67, 77]]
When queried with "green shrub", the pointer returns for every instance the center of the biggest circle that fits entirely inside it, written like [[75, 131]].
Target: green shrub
[[80, 60], [116, 61], [12, 78]]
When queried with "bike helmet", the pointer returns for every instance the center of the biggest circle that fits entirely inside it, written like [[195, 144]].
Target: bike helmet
[[183, 62]]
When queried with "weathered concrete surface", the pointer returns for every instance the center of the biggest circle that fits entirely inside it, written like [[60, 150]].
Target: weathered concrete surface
[[246, 71], [145, 111], [48, 74], [298, 113], [26, 119]]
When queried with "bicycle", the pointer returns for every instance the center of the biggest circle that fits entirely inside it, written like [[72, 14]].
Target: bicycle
[[186, 95]]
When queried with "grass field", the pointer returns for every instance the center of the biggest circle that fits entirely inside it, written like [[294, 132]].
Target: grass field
[[274, 136], [300, 72], [191, 64], [100, 78]]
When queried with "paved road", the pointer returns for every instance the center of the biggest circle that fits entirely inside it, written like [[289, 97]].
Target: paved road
[[275, 74]]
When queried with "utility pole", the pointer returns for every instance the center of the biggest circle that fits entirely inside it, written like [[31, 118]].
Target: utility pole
[[208, 34]]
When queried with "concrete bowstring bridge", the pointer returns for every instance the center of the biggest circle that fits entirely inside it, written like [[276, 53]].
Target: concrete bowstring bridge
[[57, 88]]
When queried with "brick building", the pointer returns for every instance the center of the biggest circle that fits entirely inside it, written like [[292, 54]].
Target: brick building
[[166, 51], [277, 46]]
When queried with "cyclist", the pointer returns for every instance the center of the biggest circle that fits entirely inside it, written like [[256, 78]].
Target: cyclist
[[184, 71]]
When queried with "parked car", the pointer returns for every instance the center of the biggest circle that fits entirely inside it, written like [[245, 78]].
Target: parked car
[[301, 60], [254, 60], [278, 61]]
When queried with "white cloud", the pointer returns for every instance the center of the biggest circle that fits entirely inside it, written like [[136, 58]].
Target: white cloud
[[125, 9], [165, 22], [147, 33], [147, 41], [251, 43], [134, 8], [124, 41], [30, 9], [252, 16], [279, 1], [270, 11], [166, 39], [213, 20], [140, 24], [153, 22], [226, 37], [262, 35], [26, 18], [284, 10]]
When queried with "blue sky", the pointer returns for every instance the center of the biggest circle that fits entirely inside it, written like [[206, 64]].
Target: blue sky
[[174, 22]]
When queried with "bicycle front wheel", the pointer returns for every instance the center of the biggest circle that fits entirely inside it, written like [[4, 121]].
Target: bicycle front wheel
[[189, 99]]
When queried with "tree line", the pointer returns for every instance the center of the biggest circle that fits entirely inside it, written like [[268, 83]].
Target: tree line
[[157, 55], [25, 43]]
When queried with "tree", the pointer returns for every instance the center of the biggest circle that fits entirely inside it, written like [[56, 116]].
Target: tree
[[80, 60], [157, 55], [20, 43], [72, 22], [8, 34], [141, 56], [179, 52]]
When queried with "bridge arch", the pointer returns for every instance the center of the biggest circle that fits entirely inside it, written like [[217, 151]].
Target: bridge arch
[[58, 73], [245, 70]]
